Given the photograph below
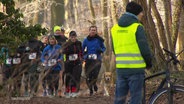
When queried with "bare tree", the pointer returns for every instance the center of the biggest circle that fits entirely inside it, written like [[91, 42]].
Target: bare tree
[[76, 5], [160, 26], [113, 11], [168, 23], [90, 5], [180, 41], [176, 20], [150, 28], [36, 15], [70, 13], [105, 33], [57, 13]]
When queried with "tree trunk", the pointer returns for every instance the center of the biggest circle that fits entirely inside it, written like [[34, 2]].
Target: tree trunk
[[160, 26], [90, 5], [105, 33], [181, 38], [152, 35], [69, 13], [76, 5], [168, 23], [72, 12], [9, 7], [66, 2], [176, 16], [113, 12], [36, 15], [47, 15], [57, 13]]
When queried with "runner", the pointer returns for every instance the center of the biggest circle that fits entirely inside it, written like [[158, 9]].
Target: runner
[[93, 46], [33, 53], [73, 67], [44, 41], [51, 58]]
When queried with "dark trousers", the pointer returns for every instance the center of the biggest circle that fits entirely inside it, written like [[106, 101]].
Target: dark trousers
[[73, 74], [92, 69], [10, 74], [52, 79], [31, 79], [31, 76], [7, 72]]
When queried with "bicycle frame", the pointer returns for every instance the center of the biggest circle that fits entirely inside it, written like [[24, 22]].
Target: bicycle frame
[[165, 80], [159, 87]]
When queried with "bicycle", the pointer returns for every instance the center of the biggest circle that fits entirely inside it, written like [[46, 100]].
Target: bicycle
[[167, 91]]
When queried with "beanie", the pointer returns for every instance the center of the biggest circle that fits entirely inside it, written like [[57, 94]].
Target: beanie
[[72, 33], [57, 28], [134, 8]]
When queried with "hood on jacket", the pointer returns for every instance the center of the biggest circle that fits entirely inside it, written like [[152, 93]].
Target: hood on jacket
[[96, 36], [127, 19]]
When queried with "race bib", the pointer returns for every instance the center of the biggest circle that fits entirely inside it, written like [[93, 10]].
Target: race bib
[[32, 56], [8, 61], [16, 60], [52, 62], [92, 56], [43, 64], [73, 57]]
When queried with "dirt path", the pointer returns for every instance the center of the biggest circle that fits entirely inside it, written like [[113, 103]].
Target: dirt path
[[95, 99], [83, 98]]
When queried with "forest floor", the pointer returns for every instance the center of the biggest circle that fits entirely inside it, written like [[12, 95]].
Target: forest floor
[[56, 100], [84, 97]]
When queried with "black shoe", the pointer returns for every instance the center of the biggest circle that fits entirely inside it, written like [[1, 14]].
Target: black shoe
[[95, 88], [91, 92]]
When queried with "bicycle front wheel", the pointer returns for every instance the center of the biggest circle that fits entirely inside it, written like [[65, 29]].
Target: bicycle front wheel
[[161, 97]]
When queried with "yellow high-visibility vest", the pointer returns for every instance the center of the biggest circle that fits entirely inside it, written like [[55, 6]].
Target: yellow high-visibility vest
[[126, 49]]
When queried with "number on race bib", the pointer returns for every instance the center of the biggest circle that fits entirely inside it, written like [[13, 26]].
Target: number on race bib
[[92, 56], [52, 62], [32, 56], [73, 57], [8, 61], [16, 60]]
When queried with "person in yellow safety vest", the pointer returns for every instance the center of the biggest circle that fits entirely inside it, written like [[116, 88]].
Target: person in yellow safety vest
[[133, 54]]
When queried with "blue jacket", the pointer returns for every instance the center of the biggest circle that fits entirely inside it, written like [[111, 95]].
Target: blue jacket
[[53, 52], [93, 45]]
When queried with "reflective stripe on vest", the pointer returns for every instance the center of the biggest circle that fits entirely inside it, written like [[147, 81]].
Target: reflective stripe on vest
[[126, 48]]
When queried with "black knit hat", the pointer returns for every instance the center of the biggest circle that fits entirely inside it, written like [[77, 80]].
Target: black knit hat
[[134, 8], [72, 33]]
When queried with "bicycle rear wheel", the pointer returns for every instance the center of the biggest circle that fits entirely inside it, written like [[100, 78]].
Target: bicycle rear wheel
[[161, 96]]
